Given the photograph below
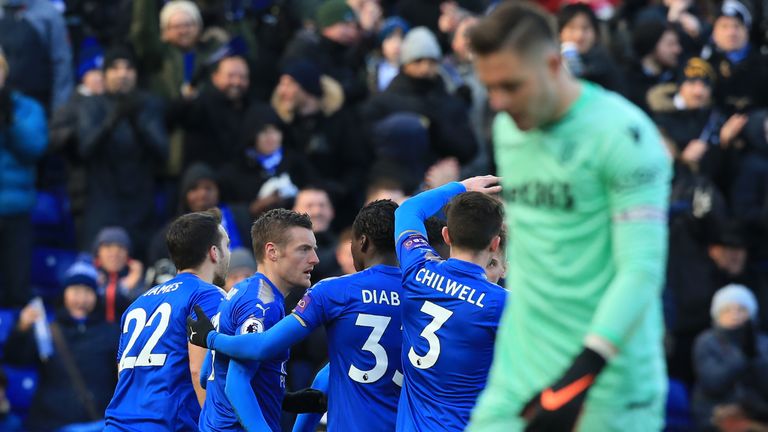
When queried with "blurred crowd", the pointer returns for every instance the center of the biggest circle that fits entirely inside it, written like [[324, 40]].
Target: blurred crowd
[[117, 116]]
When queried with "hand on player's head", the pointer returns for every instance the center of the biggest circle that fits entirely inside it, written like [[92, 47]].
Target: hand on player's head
[[486, 184], [197, 331]]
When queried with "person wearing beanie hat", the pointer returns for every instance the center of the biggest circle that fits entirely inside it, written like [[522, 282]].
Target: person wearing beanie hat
[[384, 64], [120, 276], [241, 266], [89, 69], [731, 363], [740, 66], [121, 139], [335, 48], [657, 52], [79, 328], [420, 89], [333, 12], [420, 44], [268, 173], [307, 75], [733, 305]]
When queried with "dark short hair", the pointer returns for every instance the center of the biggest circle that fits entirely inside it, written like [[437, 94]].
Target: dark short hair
[[571, 11], [434, 226], [191, 236], [474, 219], [377, 221], [272, 226], [519, 25]]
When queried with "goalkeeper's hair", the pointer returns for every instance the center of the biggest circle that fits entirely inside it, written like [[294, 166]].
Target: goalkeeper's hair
[[377, 221], [474, 219]]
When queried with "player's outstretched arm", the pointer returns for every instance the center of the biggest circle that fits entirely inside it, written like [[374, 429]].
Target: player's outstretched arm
[[309, 422], [251, 346], [240, 394]]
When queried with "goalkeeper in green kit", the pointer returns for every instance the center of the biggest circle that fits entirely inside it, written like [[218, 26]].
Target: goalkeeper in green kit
[[586, 181]]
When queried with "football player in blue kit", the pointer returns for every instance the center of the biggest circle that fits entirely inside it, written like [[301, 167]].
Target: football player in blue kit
[[158, 383], [450, 309], [361, 314], [250, 395]]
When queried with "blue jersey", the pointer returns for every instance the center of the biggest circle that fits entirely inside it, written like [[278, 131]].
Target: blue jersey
[[252, 306], [361, 313], [450, 317], [154, 389]]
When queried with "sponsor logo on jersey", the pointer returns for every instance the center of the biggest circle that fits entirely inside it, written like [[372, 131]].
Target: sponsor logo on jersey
[[541, 194]]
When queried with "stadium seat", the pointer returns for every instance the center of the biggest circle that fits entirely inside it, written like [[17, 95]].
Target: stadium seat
[[48, 267], [678, 408], [52, 220], [7, 321], [22, 383]]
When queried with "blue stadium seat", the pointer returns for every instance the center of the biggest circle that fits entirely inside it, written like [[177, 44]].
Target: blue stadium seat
[[48, 267], [52, 220], [7, 321], [22, 383], [678, 408]]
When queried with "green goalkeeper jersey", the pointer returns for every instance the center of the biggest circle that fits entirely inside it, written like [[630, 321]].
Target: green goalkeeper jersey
[[586, 200]]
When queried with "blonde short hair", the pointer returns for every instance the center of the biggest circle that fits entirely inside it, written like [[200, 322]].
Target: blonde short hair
[[184, 6]]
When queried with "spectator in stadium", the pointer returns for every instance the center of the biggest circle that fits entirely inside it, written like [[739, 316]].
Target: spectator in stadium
[[268, 174], [23, 139], [739, 66], [34, 36], [384, 63], [77, 382], [731, 359], [579, 26], [121, 138], [685, 117], [121, 278], [462, 81], [344, 253], [62, 132], [242, 265], [199, 191], [310, 105], [688, 18], [656, 50], [212, 120], [169, 47], [419, 88], [316, 202], [335, 48]]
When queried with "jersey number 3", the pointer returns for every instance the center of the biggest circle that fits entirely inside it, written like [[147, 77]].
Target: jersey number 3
[[145, 357], [439, 316]]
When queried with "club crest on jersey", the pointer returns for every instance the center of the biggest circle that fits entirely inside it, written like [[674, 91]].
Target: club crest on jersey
[[252, 325], [414, 241]]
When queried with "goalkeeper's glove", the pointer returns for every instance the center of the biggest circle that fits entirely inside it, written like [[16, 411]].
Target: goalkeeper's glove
[[197, 331], [307, 400], [557, 407]]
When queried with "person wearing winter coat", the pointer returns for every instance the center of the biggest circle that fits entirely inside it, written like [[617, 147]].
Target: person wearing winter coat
[[87, 343], [123, 141], [23, 139], [731, 363]]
